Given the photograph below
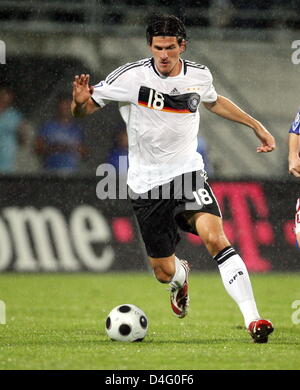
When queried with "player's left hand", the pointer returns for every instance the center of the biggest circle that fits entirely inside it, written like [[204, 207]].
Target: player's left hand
[[82, 91]]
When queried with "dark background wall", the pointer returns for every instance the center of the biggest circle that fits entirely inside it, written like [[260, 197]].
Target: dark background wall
[[59, 224]]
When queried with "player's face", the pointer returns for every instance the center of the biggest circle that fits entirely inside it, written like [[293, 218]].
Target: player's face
[[166, 53]]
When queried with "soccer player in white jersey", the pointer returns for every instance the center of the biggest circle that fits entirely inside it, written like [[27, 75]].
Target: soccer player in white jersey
[[159, 99]]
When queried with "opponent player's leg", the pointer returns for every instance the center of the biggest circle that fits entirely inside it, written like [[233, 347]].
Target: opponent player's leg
[[233, 272], [175, 272], [297, 223]]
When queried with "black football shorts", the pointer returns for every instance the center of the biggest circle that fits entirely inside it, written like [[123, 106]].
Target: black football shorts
[[164, 209]]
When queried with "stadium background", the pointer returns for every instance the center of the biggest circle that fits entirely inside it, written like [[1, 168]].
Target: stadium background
[[57, 223]]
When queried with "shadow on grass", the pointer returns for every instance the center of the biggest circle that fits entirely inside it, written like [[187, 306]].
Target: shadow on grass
[[145, 343], [77, 337]]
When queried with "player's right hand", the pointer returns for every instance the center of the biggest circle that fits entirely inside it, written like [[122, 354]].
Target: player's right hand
[[268, 143], [82, 91], [294, 167]]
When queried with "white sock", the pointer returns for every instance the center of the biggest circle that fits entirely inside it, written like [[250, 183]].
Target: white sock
[[237, 283], [180, 274]]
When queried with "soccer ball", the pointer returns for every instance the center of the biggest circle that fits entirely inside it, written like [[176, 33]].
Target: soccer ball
[[126, 323]]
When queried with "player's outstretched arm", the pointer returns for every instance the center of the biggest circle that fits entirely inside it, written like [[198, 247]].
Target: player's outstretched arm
[[228, 110], [294, 150], [82, 104]]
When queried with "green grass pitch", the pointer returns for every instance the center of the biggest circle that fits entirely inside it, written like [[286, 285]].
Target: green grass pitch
[[57, 321]]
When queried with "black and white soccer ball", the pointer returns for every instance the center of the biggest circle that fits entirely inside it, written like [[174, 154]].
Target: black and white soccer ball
[[126, 323]]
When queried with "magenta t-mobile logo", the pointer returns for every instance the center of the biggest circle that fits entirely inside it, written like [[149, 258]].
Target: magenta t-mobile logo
[[250, 232]]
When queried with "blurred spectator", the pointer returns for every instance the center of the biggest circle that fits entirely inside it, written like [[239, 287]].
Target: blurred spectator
[[12, 130], [120, 148], [221, 12], [202, 149], [60, 141]]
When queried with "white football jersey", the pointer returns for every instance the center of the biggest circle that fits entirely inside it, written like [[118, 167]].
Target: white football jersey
[[162, 118]]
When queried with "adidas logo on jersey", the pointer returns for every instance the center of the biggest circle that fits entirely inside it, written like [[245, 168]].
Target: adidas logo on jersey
[[174, 92]]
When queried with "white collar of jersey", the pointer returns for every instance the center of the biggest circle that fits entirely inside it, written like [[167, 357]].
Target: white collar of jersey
[[166, 77]]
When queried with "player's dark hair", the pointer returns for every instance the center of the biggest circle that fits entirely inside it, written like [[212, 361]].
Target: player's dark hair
[[165, 25]]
